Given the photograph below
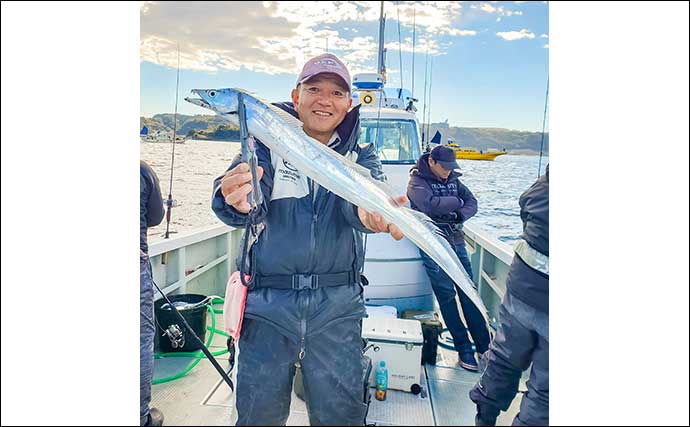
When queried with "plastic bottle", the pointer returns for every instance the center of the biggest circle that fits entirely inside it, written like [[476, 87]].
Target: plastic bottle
[[381, 381]]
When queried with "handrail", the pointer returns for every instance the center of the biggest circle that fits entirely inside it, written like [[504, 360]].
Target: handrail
[[499, 249], [160, 246]]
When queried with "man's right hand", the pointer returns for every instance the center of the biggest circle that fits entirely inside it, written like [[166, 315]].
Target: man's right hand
[[236, 185]]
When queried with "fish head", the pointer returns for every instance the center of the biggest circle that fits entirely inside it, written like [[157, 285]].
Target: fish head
[[222, 101]]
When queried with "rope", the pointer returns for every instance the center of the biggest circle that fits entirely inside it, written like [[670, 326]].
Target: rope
[[431, 79], [425, 137], [543, 126], [400, 49]]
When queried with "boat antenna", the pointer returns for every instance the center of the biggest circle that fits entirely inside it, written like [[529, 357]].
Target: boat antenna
[[381, 70], [169, 202], [381, 52], [426, 69], [543, 126], [431, 79], [397, 5], [414, 34]]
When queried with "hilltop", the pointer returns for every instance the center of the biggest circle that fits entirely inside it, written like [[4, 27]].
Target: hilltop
[[214, 128], [194, 127], [513, 141]]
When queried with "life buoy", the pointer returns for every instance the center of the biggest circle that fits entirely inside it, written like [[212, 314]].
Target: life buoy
[[368, 98]]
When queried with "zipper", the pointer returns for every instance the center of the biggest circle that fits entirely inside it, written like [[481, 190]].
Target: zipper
[[307, 294], [314, 217]]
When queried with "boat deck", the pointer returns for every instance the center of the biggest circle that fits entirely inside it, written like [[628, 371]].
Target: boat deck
[[202, 398]]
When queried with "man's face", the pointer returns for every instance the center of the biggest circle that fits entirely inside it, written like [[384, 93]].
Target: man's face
[[438, 170], [321, 104]]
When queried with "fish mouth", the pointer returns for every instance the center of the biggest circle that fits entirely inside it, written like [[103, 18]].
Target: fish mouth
[[198, 101]]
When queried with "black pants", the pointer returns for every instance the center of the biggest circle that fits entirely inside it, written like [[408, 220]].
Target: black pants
[[514, 348], [333, 372]]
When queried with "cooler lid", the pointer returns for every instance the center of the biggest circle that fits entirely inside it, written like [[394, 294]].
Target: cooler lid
[[392, 329]]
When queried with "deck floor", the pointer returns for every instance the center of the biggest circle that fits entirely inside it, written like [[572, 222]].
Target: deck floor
[[202, 398]]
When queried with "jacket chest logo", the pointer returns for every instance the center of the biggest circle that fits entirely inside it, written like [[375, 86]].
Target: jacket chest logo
[[450, 189], [288, 182]]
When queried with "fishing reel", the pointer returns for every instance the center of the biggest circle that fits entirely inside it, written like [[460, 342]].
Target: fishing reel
[[175, 336]]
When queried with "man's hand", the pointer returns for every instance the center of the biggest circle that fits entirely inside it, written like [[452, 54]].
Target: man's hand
[[236, 185], [376, 223]]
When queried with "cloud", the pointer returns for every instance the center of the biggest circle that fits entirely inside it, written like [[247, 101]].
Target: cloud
[[424, 44], [516, 35], [277, 37], [544, 36], [501, 11], [546, 46]]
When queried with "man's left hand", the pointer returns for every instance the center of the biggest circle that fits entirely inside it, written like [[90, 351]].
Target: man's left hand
[[376, 223]]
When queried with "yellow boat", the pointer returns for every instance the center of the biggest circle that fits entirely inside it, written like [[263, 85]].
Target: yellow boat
[[467, 154]]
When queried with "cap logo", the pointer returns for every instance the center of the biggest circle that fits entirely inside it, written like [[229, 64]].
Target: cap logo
[[327, 62]]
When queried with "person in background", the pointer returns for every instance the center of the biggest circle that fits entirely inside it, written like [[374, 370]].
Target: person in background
[[305, 305], [151, 213], [435, 189], [522, 338]]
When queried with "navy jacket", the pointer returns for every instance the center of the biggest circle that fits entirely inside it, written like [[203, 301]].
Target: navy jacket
[[150, 202], [526, 284], [448, 202], [305, 233]]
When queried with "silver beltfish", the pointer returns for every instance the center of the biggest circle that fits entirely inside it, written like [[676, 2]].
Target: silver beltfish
[[283, 134]]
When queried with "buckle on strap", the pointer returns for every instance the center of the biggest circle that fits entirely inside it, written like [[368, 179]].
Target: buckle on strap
[[305, 281]]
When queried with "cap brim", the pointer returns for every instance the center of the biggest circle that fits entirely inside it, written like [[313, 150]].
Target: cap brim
[[342, 80], [449, 166]]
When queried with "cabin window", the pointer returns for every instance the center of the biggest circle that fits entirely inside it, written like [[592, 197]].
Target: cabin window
[[396, 141]]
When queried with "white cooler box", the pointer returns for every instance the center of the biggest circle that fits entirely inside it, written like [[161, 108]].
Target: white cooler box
[[400, 345]]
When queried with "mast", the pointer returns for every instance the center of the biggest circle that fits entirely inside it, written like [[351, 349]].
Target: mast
[[381, 67]]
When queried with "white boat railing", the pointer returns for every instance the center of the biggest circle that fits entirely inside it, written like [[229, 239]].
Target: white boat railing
[[491, 261], [201, 261], [197, 262]]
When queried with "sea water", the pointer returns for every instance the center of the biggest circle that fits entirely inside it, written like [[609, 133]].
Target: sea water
[[497, 185]]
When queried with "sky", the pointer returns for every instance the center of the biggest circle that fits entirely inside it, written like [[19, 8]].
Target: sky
[[618, 88], [487, 61]]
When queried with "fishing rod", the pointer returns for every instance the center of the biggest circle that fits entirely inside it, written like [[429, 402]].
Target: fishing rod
[[169, 202], [197, 340], [543, 125], [255, 196]]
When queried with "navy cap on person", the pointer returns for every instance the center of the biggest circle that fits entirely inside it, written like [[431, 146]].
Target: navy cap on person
[[445, 156]]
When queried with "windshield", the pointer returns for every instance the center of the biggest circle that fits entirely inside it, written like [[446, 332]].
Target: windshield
[[396, 140]]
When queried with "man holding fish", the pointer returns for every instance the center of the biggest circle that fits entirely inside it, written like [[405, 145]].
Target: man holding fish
[[305, 305]]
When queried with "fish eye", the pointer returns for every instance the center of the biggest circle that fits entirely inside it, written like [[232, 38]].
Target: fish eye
[[211, 93]]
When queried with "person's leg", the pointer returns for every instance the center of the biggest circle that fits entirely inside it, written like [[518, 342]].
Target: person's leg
[[146, 335], [444, 289], [334, 375], [475, 323], [509, 354], [534, 408], [461, 252], [265, 370]]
